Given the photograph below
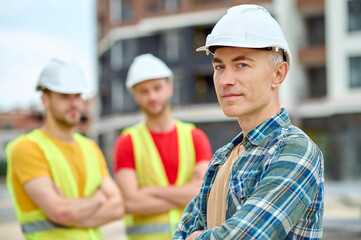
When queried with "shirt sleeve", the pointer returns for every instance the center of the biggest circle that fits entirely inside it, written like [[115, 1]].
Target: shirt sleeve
[[191, 220], [28, 161], [288, 187], [123, 153], [202, 145]]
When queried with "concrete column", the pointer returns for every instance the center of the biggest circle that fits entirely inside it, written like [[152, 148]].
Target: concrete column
[[294, 87]]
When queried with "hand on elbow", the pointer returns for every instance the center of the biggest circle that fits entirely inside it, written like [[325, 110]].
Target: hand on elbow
[[129, 207], [119, 209], [100, 195], [194, 235], [63, 217], [119, 212]]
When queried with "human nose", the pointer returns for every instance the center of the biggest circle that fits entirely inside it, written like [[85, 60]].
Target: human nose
[[227, 77], [76, 100], [152, 94]]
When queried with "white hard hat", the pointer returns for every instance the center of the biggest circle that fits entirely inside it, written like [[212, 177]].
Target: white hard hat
[[146, 67], [62, 77], [248, 26]]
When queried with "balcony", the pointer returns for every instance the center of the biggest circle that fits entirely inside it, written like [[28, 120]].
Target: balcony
[[312, 55], [311, 7]]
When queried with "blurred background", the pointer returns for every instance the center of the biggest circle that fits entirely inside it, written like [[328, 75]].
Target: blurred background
[[322, 92]]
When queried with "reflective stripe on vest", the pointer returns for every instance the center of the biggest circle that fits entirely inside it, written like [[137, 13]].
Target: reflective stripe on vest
[[149, 229], [150, 172], [61, 174], [45, 225]]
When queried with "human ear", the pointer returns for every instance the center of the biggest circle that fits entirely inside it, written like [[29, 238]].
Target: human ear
[[171, 88], [280, 73], [45, 99]]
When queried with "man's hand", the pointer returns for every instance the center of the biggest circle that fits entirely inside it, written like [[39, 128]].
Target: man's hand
[[194, 235], [101, 195]]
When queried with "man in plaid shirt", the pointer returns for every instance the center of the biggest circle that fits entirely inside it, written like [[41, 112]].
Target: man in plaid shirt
[[268, 182]]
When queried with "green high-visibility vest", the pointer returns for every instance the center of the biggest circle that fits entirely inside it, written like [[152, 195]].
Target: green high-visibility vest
[[150, 172], [35, 224]]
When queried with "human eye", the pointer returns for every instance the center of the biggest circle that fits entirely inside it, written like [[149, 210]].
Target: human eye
[[142, 91], [218, 67], [64, 96], [242, 65], [158, 88]]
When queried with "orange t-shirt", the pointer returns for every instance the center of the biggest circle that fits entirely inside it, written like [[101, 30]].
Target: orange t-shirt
[[29, 162]]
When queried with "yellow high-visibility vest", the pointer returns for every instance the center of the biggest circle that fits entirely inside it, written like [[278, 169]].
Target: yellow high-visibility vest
[[150, 172], [35, 224]]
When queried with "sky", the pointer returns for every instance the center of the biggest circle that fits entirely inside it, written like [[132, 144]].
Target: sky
[[34, 31]]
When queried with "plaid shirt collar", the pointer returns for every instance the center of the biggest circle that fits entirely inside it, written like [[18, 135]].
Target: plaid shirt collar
[[257, 135]]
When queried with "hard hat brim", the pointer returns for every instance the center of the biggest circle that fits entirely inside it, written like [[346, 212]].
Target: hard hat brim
[[206, 49], [203, 48], [62, 91]]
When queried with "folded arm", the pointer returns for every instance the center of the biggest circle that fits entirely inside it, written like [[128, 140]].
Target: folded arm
[[59, 209], [110, 210], [181, 195], [137, 201]]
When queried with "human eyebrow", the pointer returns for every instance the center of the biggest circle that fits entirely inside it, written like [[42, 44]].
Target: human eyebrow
[[239, 58], [216, 60]]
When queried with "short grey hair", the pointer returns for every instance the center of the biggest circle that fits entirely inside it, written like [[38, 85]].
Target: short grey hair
[[276, 56]]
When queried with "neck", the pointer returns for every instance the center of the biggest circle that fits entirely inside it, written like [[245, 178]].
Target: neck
[[161, 123], [252, 120], [59, 132]]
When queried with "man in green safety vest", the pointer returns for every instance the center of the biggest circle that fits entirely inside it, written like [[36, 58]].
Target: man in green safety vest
[[58, 179], [159, 163]]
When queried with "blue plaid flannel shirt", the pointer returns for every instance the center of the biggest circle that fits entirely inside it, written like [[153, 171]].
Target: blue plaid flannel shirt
[[275, 189]]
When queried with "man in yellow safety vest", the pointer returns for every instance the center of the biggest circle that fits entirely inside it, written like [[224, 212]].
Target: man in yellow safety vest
[[159, 163], [58, 179]]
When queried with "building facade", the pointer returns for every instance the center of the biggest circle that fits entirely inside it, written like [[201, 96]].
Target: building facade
[[322, 91]]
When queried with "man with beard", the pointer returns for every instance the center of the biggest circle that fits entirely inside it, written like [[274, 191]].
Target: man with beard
[[159, 163], [58, 179]]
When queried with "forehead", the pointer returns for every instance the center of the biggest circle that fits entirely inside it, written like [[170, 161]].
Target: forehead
[[237, 54], [150, 83], [62, 94]]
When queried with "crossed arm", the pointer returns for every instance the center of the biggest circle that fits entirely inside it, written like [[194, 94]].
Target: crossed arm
[[103, 206], [286, 200], [153, 200]]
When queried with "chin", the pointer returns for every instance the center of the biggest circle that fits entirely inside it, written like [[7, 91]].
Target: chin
[[230, 112], [73, 122]]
